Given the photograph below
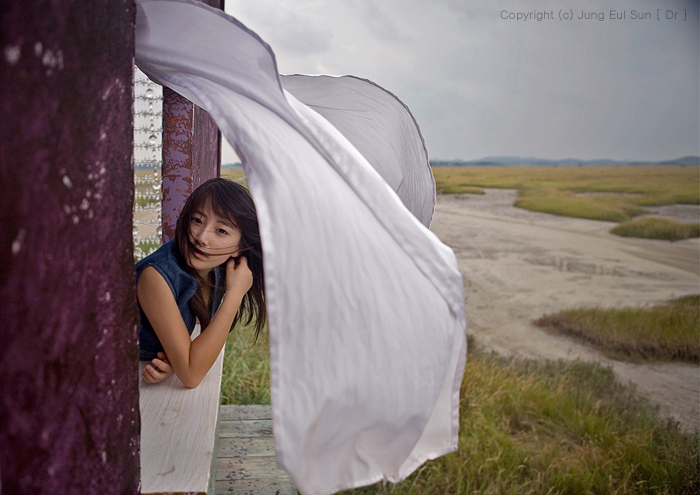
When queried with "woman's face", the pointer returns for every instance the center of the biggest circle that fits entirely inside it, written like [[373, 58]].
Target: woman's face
[[214, 240]]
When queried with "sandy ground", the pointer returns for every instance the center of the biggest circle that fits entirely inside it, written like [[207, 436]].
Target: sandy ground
[[518, 265]]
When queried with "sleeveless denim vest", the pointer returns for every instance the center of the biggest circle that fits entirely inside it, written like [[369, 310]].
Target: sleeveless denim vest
[[169, 264]]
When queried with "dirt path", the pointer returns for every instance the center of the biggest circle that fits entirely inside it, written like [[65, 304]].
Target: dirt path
[[518, 265]]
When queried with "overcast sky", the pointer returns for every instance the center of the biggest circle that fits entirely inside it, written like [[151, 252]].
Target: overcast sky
[[480, 85]]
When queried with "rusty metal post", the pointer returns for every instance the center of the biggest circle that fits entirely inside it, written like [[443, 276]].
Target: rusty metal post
[[191, 154], [69, 398], [191, 151]]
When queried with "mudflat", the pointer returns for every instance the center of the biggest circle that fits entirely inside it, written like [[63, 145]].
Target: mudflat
[[518, 265]]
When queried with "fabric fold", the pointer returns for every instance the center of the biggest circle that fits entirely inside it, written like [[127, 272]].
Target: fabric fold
[[364, 113], [366, 305]]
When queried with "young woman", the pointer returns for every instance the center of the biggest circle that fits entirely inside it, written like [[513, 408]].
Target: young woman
[[212, 272]]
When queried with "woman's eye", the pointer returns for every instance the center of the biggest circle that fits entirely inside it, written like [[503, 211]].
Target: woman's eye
[[195, 220], [222, 231]]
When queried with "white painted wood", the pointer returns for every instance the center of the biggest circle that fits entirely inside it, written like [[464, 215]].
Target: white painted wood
[[179, 432]]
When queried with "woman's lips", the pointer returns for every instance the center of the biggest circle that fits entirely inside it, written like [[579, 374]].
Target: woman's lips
[[200, 254]]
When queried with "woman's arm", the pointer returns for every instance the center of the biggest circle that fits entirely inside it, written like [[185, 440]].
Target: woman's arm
[[191, 359]]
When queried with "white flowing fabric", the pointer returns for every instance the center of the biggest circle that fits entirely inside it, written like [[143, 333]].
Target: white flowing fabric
[[380, 127], [366, 305]]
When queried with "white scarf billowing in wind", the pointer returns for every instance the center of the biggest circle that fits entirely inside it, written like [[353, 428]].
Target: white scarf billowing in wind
[[366, 305]]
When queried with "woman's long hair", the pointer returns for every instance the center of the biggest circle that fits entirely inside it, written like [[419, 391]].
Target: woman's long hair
[[230, 200]]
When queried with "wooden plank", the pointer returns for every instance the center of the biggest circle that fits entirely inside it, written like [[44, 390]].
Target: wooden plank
[[236, 412], [245, 429], [255, 487], [246, 462], [244, 468], [178, 433], [245, 447]]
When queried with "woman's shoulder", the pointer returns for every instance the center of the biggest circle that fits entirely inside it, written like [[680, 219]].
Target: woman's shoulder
[[165, 261]]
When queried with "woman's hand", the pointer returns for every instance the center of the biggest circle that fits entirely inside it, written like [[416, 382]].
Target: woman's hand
[[239, 278], [158, 370]]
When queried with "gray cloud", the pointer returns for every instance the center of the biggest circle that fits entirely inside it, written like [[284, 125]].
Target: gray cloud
[[480, 85], [289, 29]]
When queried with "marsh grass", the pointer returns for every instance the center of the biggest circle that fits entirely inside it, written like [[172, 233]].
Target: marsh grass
[[246, 373], [614, 194], [527, 427], [612, 208], [462, 189], [669, 331], [545, 427], [657, 228]]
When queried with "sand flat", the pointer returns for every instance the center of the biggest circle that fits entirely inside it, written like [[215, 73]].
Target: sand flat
[[518, 265]]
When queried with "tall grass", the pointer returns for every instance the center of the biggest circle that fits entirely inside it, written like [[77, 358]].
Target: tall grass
[[669, 331], [527, 427], [612, 208], [246, 373], [657, 228], [543, 427]]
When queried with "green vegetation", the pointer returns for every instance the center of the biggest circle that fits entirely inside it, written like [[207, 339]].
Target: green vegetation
[[533, 427], [657, 228], [461, 189], [612, 208], [246, 374], [615, 194], [526, 427], [234, 174], [669, 331], [140, 201]]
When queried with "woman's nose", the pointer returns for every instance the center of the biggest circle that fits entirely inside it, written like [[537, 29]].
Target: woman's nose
[[202, 237]]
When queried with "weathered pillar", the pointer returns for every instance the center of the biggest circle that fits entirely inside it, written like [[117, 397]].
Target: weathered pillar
[[69, 405], [191, 154], [191, 151]]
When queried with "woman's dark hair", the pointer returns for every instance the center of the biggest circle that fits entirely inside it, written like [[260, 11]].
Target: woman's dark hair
[[230, 200]]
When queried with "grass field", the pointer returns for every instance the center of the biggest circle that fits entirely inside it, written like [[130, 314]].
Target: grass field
[[616, 194], [657, 228], [527, 427], [246, 373], [669, 331], [530, 427]]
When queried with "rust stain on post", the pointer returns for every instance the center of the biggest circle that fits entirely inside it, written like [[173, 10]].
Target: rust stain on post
[[191, 151]]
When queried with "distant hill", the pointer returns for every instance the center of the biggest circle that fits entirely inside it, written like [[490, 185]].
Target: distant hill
[[231, 165], [566, 162]]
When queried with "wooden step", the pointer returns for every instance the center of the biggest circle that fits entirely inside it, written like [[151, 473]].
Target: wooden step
[[246, 463]]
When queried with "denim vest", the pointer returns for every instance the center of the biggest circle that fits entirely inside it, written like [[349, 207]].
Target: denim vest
[[169, 264]]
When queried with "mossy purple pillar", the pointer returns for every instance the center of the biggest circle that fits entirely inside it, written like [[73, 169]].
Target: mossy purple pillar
[[69, 410], [191, 151]]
